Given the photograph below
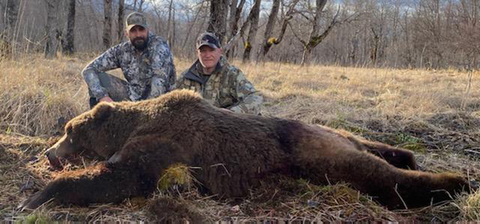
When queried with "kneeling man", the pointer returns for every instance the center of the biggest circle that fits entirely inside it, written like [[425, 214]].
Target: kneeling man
[[221, 84]]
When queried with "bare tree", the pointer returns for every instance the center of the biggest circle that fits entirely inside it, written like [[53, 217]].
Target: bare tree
[[285, 21], [232, 23], [10, 17], [50, 29], [255, 13], [120, 22], [428, 41], [375, 46], [171, 24], [218, 18], [190, 27], [315, 36], [140, 5], [234, 18], [69, 47], [233, 40], [107, 24], [267, 41], [397, 33], [235, 14]]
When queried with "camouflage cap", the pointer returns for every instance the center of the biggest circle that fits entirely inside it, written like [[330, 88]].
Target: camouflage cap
[[136, 19], [208, 39]]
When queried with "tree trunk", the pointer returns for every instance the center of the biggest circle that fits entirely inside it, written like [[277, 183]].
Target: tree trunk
[[51, 40], [374, 51], [307, 51], [218, 18], [352, 53], [231, 18], [120, 22], [169, 24], [267, 41], [174, 30], [107, 24], [235, 13], [7, 42], [69, 47], [286, 18], [140, 5], [253, 30], [10, 17], [314, 41], [315, 37], [190, 27]]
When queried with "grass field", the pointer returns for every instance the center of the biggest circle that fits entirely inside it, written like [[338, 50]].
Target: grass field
[[434, 113]]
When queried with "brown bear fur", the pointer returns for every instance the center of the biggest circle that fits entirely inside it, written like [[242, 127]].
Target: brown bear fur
[[234, 151]]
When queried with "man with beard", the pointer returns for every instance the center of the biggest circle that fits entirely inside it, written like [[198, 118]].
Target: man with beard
[[146, 63]]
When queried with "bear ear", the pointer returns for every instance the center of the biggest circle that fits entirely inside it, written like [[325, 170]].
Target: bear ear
[[102, 111]]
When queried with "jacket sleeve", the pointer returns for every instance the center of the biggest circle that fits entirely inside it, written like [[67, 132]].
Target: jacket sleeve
[[180, 83], [106, 61], [164, 74], [249, 99]]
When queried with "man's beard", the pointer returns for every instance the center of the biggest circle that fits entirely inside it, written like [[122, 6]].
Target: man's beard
[[140, 43]]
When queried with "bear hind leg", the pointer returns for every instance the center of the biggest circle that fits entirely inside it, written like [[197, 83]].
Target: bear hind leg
[[387, 184], [400, 158]]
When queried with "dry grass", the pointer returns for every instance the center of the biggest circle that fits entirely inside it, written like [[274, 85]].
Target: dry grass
[[175, 175], [360, 93], [430, 112], [35, 93]]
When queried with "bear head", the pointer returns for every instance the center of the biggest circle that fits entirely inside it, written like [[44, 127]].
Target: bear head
[[80, 139]]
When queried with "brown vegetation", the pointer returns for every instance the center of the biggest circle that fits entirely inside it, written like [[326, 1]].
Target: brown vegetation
[[428, 111]]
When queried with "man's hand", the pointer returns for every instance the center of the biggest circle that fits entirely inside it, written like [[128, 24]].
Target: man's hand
[[105, 99]]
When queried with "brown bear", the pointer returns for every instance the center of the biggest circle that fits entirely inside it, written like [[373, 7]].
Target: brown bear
[[139, 140]]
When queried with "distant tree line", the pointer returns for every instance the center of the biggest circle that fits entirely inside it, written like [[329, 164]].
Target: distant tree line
[[393, 33]]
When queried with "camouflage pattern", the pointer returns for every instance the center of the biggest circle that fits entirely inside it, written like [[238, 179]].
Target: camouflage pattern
[[226, 87], [116, 88], [135, 19], [149, 73]]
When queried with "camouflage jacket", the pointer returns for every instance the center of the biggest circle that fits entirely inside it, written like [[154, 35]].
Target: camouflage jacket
[[149, 73], [226, 87]]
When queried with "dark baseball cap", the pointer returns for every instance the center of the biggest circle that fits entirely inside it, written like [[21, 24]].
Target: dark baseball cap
[[136, 19], [208, 39]]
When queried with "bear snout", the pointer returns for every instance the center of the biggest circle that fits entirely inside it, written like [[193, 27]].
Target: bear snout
[[50, 152], [54, 161]]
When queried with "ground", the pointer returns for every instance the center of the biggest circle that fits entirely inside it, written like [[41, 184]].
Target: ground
[[429, 112]]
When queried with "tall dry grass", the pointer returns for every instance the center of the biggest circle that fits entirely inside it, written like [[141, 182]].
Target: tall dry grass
[[362, 93], [35, 93]]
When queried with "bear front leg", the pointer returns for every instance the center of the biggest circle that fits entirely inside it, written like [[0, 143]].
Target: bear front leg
[[97, 184], [134, 171]]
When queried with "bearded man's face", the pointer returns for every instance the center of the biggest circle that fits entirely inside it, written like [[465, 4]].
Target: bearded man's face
[[138, 36]]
